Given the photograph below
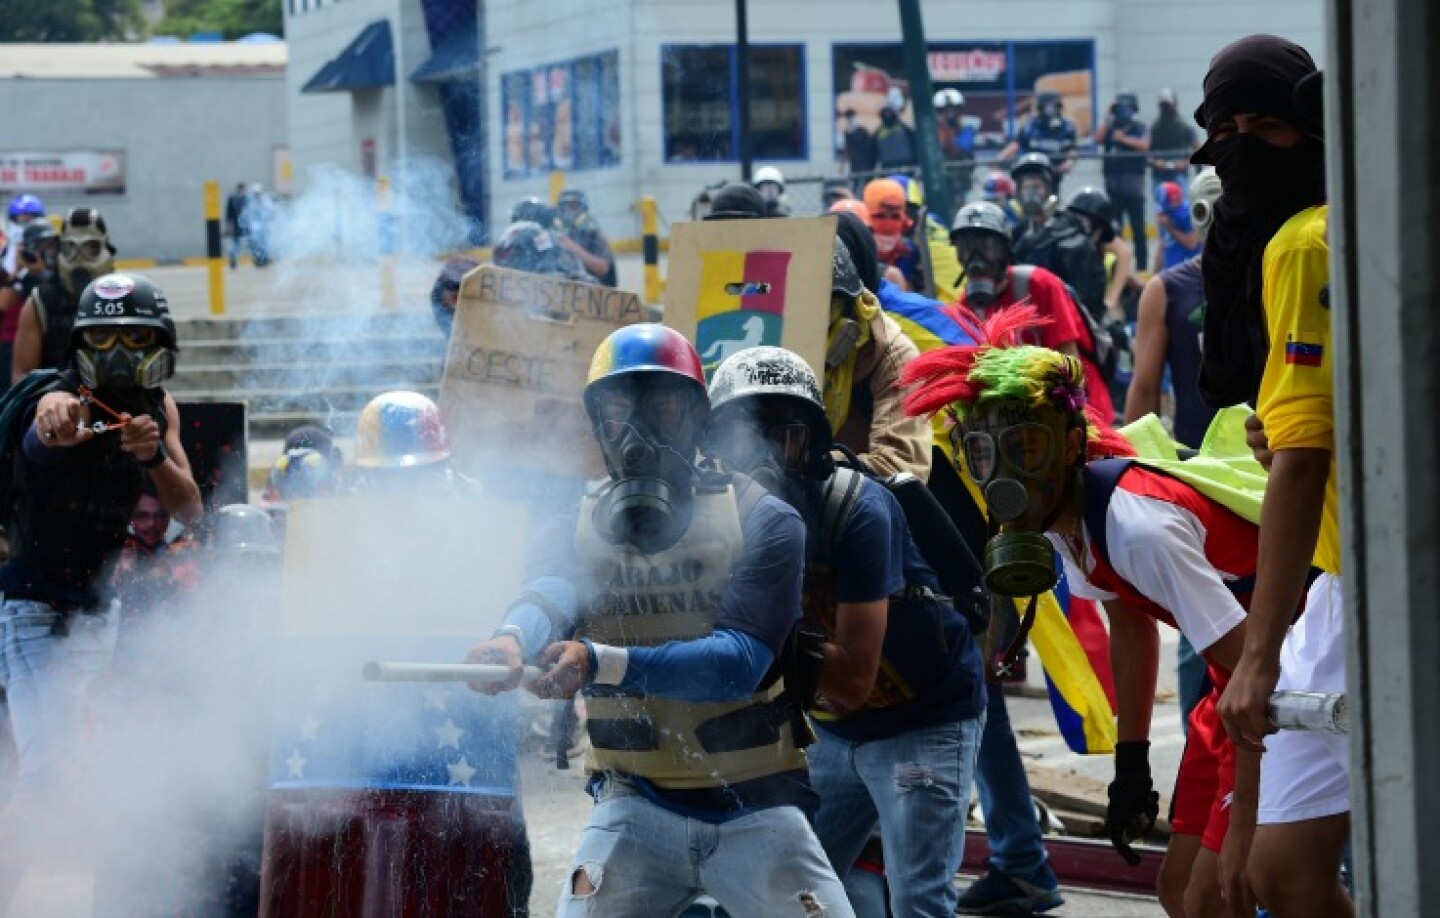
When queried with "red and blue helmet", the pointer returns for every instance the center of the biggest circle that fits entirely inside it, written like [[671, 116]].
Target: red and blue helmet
[[400, 430], [642, 352], [1168, 195]]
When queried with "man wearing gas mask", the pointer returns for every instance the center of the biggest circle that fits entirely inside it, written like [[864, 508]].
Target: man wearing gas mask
[[585, 238], [1035, 182], [865, 354], [1048, 131], [43, 338], [37, 258], [670, 598], [1150, 547], [902, 691], [982, 241], [99, 431]]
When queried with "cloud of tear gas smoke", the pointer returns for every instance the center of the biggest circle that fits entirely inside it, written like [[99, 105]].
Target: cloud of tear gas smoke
[[241, 699]]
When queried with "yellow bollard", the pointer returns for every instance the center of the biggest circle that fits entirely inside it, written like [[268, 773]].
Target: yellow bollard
[[384, 202], [557, 185], [650, 240], [214, 257]]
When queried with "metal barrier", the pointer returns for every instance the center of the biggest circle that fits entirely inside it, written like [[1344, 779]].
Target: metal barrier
[[214, 256]]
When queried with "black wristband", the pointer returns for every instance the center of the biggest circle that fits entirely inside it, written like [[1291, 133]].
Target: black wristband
[[155, 461]]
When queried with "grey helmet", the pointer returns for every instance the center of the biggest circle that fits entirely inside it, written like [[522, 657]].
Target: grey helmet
[[980, 216], [242, 529]]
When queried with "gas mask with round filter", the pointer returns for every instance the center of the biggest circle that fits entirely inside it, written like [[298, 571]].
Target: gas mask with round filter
[[769, 441], [85, 250], [1016, 454], [1034, 196], [647, 430], [986, 257], [123, 357]]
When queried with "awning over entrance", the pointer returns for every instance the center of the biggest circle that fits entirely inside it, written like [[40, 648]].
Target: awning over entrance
[[456, 58], [368, 62]]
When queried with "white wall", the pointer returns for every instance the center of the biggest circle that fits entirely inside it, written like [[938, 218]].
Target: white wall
[[176, 134]]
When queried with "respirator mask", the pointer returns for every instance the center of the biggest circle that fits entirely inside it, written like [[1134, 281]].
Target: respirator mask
[[772, 447], [985, 256], [647, 435], [123, 357], [1034, 196], [1016, 456], [85, 254]]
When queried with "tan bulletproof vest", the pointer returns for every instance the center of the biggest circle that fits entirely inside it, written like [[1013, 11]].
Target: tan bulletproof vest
[[646, 600]]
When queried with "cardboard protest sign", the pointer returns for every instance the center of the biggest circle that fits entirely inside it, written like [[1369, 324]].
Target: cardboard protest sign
[[516, 369], [735, 284]]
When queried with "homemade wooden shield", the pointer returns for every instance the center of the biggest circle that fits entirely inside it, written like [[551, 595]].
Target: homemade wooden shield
[[516, 369], [735, 284], [215, 441]]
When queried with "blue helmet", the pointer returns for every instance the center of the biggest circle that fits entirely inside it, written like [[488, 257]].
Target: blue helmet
[[26, 205]]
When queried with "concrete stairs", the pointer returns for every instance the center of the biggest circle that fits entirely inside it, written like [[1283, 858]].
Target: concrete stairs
[[301, 369]]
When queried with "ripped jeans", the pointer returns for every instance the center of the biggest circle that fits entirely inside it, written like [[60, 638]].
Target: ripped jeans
[[916, 785], [647, 862]]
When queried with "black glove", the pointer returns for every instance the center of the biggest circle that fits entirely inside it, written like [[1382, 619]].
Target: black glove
[[1134, 804]]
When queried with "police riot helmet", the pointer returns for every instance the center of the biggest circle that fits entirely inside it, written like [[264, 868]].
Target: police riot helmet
[[1095, 204], [123, 335], [784, 379]]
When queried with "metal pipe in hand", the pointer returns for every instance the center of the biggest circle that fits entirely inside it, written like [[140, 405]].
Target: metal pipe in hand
[[442, 672]]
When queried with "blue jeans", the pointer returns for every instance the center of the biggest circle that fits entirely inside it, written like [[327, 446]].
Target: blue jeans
[[646, 861], [1010, 821], [916, 786], [46, 676]]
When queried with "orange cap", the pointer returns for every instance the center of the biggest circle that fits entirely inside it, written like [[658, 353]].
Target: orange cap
[[884, 191]]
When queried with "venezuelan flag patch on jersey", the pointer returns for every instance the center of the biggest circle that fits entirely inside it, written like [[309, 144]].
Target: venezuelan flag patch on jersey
[[1303, 353]]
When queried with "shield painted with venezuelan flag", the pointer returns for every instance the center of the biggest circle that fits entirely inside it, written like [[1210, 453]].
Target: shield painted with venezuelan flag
[[737, 284]]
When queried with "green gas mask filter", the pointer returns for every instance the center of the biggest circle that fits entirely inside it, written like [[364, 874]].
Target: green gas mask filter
[[1020, 564]]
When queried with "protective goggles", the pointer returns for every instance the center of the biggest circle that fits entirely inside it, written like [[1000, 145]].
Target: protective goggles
[[134, 337], [662, 410], [89, 250], [1026, 449], [989, 246], [744, 442]]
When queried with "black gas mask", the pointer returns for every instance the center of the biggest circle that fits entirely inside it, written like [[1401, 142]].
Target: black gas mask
[[123, 357], [647, 430], [985, 256], [1016, 455], [770, 442]]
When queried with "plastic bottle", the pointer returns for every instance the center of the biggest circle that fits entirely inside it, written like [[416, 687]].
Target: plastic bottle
[[1309, 711]]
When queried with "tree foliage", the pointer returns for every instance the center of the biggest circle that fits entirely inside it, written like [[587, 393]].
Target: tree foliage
[[231, 18], [72, 20]]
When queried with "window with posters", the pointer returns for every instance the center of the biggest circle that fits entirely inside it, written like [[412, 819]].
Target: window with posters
[[698, 92], [562, 116], [998, 79]]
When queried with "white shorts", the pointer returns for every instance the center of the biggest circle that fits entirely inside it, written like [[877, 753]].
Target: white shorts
[[1306, 774]]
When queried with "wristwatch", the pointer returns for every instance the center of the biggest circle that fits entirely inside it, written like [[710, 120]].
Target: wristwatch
[[155, 461]]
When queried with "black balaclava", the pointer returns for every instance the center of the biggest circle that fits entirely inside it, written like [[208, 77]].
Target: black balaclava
[[861, 245], [1264, 186]]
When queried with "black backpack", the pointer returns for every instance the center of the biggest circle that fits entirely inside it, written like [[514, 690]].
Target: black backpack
[[14, 404], [935, 534], [1104, 350], [1063, 247]]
